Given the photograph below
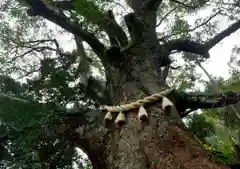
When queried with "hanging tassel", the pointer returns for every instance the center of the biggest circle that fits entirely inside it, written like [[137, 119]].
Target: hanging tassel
[[108, 119], [167, 105], [120, 120], [142, 114], [108, 116]]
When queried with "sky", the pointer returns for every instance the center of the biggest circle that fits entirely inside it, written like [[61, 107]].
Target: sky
[[221, 53]]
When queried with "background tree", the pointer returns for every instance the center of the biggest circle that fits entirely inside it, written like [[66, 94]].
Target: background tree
[[56, 105]]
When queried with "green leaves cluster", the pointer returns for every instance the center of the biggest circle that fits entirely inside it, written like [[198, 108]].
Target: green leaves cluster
[[218, 128], [199, 126]]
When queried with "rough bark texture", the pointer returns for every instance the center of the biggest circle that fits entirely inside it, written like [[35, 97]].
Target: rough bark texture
[[158, 145], [163, 143]]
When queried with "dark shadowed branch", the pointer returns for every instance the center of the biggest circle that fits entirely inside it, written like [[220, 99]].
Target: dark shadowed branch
[[151, 5], [227, 32], [112, 28], [182, 4], [74, 127], [201, 48], [64, 5], [188, 46], [115, 32], [40, 9], [196, 101], [135, 27]]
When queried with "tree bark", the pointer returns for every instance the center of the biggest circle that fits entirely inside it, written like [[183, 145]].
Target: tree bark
[[163, 142]]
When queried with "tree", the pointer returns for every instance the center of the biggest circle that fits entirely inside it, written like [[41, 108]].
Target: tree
[[134, 67], [223, 140]]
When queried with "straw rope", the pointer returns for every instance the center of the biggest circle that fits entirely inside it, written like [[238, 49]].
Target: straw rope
[[138, 103]]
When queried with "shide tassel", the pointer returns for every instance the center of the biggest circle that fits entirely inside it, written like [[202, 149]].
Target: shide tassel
[[121, 119], [117, 111], [142, 114], [108, 118], [167, 105]]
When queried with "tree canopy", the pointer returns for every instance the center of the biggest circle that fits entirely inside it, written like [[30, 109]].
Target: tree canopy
[[55, 72]]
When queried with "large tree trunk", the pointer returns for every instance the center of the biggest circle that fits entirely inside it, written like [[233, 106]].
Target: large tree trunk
[[159, 144], [163, 143]]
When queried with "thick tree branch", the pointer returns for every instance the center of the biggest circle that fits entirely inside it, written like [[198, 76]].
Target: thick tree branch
[[219, 37], [145, 11], [135, 28], [201, 48], [181, 3], [114, 31], [188, 46], [74, 127], [39, 8], [195, 101], [64, 5], [150, 5], [116, 34]]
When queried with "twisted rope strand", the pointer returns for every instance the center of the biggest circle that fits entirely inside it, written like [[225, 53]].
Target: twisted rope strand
[[138, 103]]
